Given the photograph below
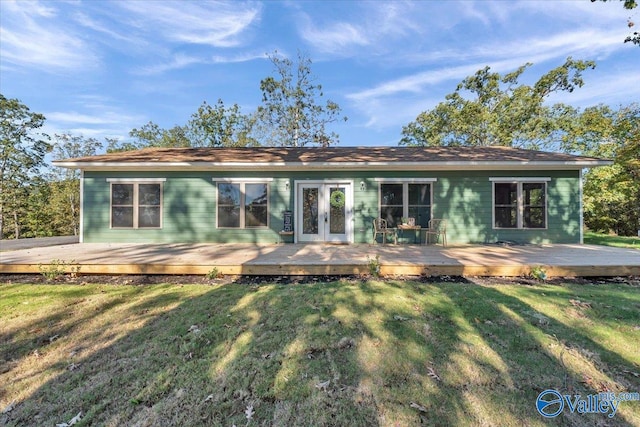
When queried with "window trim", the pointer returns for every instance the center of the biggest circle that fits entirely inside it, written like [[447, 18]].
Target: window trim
[[242, 183], [136, 202], [405, 193], [519, 200]]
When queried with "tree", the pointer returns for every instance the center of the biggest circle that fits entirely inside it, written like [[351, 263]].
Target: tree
[[151, 135], [611, 193], [64, 191], [291, 114], [629, 5], [490, 109], [22, 152], [220, 126]]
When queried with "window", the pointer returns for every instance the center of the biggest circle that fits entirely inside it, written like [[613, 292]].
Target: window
[[136, 204], [242, 205], [520, 203], [410, 199]]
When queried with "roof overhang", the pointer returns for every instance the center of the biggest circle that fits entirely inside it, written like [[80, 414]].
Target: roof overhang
[[331, 166]]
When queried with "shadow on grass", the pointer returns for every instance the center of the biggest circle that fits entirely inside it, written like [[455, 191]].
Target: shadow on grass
[[344, 353]]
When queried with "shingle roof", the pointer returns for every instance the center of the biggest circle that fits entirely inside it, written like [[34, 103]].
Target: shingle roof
[[338, 157]]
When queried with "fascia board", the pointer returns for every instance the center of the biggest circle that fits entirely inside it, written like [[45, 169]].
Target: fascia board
[[301, 166]]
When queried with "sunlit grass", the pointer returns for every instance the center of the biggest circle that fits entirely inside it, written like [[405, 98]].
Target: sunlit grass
[[342, 353], [612, 240]]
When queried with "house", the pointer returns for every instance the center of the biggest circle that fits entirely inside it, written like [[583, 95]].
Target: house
[[487, 194]]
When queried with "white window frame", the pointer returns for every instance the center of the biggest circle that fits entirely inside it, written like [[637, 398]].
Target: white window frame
[[520, 200], [405, 192], [242, 182], [136, 203]]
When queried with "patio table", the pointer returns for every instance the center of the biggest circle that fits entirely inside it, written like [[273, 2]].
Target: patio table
[[416, 228]]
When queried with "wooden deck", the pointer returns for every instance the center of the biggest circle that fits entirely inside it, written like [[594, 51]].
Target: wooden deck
[[321, 259]]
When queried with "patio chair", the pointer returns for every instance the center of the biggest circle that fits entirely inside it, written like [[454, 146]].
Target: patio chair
[[437, 227], [380, 227]]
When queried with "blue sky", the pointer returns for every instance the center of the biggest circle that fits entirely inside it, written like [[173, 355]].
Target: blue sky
[[100, 68]]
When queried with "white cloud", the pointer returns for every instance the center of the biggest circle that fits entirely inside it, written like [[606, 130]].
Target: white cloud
[[98, 118], [178, 61], [31, 36], [75, 117], [373, 25], [500, 58], [605, 88], [335, 37], [218, 24], [86, 21]]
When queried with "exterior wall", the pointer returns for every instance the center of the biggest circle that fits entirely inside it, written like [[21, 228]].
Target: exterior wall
[[463, 198]]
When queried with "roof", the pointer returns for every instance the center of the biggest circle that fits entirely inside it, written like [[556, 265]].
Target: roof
[[379, 158]]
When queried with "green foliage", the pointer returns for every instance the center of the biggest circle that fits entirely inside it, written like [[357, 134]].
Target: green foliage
[[152, 135], [64, 192], [373, 265], [492, 109], [220, 126], [214, 273], [539, 273], [291, 114], [612, 194], [22, 152], [57, 268]]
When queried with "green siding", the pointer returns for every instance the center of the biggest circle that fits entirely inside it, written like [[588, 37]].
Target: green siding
[[463, 198]]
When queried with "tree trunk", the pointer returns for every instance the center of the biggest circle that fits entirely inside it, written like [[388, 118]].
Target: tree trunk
[[16, 224]]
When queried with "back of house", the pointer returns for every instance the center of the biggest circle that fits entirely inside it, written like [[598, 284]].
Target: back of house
[[266, 194]]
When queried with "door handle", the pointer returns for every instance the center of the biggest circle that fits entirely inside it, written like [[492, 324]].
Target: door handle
[[326, 217]]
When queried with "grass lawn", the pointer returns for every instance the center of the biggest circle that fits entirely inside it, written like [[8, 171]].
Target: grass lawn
[[608, 240], [357, 353]]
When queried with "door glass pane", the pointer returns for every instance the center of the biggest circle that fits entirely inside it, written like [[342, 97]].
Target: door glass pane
[[337, 209], [310, 211]]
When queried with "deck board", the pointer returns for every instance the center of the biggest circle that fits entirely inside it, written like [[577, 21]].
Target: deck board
[[322, 259]]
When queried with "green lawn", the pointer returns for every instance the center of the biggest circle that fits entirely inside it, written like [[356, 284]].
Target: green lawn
[[357, 353], [608, 240]]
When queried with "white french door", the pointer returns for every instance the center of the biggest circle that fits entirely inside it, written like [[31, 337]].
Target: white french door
[[324, 212]]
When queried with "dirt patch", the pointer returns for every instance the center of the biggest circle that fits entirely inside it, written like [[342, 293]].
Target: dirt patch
[[261, 280]]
